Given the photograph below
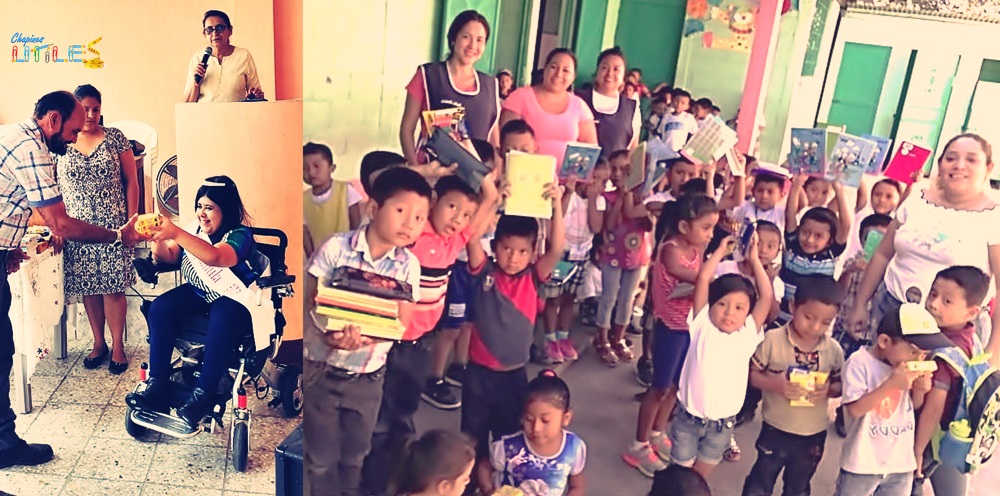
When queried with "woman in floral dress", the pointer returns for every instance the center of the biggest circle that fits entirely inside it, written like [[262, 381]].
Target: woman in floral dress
[[97, 177]]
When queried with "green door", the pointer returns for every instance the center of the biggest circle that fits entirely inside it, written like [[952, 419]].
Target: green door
[[490, 9], [925, 103], [859, 85], [649, 31]]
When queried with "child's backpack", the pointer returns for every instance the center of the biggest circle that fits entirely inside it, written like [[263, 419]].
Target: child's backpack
[[975, 431]]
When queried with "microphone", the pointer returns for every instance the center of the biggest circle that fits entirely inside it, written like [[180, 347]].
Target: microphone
[[204, 62]]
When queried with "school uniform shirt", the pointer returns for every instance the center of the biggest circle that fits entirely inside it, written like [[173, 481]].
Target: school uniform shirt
[[676, 129], [225, 82], [579, 237], [436, 254], [618, 120], [517, 465], [350, 249], [795, 264], [325, 217], [880, 441], [714, 377], [433, 87], [749, 212], [776, 354], [504, 326]]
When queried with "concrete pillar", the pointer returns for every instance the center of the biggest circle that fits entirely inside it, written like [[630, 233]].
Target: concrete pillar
[[288, 50]]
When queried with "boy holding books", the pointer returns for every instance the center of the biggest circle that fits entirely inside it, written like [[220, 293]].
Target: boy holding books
[[457, 211], [881, 392], [344, 370], [506, 305]]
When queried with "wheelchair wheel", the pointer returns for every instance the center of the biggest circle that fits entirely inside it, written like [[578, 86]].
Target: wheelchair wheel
[[291, 392], [241, 446], [133, 429]]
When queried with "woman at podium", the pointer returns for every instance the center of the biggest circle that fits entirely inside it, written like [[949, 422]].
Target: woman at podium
[[222, 72]]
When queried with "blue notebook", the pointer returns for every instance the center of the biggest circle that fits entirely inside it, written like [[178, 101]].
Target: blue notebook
[[808, 153]]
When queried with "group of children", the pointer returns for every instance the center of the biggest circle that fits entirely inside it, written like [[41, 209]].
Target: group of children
[[480, 279]]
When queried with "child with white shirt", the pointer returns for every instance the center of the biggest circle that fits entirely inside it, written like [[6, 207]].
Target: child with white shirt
[[676, 127], [880, 396], [725, 327], [768, 193]]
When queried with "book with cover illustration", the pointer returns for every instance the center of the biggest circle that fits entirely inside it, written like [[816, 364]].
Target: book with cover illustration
[[451, 120], [528, 174], [882, 148], [654, 173], [808, 153], [832, 132], [907, 160], [579, 160], [471, 169], [849, 160], [369, 283], [710, 142], [637, 168]]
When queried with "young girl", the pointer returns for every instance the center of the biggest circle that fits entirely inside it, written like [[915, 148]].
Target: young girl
[[725, 329], [626, 227], [583, 205], [543, 459], [678, 260], [437, 464]]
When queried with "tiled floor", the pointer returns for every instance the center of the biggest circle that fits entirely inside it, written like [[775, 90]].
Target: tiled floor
[[81, 414]]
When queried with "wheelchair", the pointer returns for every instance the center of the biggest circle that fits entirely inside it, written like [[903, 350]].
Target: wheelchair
[[246, 364]]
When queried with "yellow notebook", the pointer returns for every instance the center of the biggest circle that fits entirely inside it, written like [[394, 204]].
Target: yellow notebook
[[372, 331], [528, 175], [355, 317]]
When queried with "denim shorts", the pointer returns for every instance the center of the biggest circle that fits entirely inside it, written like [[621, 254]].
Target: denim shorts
[[850, 484], [697, 438], [458, 300]]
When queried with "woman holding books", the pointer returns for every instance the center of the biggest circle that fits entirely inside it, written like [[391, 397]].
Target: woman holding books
[[935, 229], [616, 116], [453, 83], [557, 116], [219, 261]]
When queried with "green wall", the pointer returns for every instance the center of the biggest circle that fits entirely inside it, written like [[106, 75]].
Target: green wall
[[782, 83], [358, 58], [649, 31]]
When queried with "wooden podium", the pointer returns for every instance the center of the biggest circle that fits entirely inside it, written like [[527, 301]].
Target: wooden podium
[[259, 146]]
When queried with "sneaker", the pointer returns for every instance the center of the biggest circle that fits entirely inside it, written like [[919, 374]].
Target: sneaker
[[553, 352], [440, 396], [455, 375], [634, 330], [661, 446], [838, 422], [644, 460], [568, 350], [644, 372]]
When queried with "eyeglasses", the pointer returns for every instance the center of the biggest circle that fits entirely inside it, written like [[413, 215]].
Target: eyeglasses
[[217, 28]]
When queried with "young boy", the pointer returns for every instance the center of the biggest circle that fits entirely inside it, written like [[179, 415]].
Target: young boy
[[677, 127], [767, 190], [657, 110], [954, 301], [813, 246], [323, 217], [701, 109], [792, 438], [506, 304], [453, 338], [584, 207], [454, 212], [849, 280], [344, 370], [880, 395]]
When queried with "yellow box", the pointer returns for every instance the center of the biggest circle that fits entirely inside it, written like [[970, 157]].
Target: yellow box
[[144, 223], [807, 380], [921, 366]]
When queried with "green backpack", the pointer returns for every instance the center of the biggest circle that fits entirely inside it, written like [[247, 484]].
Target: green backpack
[[975, 432]]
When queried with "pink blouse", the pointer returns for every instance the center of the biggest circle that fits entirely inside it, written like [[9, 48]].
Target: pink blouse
[[552, 131]]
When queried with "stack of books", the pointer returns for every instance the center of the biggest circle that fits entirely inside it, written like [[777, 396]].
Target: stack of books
[[364, 299]]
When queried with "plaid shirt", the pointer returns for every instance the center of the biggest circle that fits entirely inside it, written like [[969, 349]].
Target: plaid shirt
[[27, 179], [350, 249]]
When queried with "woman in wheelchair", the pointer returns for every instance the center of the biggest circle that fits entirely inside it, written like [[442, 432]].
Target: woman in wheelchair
[[219, 238]]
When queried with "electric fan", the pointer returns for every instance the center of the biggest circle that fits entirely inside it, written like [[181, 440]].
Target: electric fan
[[166, 186]]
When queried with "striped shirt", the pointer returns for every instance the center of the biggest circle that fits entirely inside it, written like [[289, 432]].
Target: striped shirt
[[796, 264], [672, 312], [247, 268], [436, 254], [27, 179], [350, 249]]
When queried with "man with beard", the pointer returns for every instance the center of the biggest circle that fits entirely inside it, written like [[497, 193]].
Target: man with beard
[[28, 181]]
